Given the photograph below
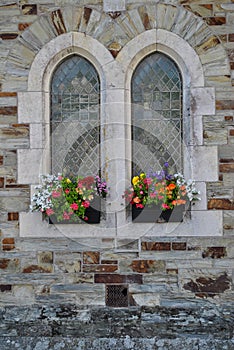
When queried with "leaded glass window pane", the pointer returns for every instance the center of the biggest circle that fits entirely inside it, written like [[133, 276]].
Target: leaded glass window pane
[[75, 131], [157, 130]]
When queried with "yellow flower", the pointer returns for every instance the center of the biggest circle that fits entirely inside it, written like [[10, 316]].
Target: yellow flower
[[135, 180], [68, 181], [142, 175]]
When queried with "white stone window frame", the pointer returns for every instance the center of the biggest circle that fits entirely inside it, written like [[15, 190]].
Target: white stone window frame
[[115, 78]]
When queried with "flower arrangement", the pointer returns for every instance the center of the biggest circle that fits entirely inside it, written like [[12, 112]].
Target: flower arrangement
[[160, 188], [67, 198]]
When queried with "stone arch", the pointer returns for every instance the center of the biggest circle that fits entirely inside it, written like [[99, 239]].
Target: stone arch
[[34, 103], [114, 33]]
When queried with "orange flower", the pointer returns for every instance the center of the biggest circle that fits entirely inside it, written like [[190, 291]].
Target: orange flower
[[136, 200], [171, 187], [181, 201]]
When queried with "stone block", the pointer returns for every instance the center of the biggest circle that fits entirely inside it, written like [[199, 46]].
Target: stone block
[[207, 286], [225, 104], [42, 268], [8, 111], [36, 135], [84, 294], [147, 266], [202, 156], [215, 136], [220, 203], [13, 216], [10, 265], [117, 278], [100, 268], [68, 266], [179, 245], [109, 262], [156, 246], [8, 244], [24, 294], [227, 167], [203, 101], [29, 166], [114, 5], [91, 257], [78, 277], [214, 252], [30, 107], [146, 299], [45, 257]]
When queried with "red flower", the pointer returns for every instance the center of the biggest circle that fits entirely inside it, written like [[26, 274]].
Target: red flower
[[85, 204], [139, 206]]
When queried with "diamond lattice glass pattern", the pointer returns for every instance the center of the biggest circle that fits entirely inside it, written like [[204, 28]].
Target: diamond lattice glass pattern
[[75, 92], [157, 115]]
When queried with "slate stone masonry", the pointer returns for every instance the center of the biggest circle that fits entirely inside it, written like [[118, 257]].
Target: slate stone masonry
[[54, 290]]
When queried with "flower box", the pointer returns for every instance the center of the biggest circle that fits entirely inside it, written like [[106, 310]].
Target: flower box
[[146, 214], [173, 215], [64, 200], [155, 214], [92, 215], [160, 196]]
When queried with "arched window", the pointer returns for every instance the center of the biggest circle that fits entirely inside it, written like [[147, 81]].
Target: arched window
[[157, 129], [75, 118]]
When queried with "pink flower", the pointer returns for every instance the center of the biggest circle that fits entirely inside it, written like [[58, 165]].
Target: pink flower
[[85, 204], [60, 177], [152, 195], [147, 181], [56, 194], [74, 206], [141, 192], [66, 216], [86, 218], [49, 211], [165, 206], [67, 191]]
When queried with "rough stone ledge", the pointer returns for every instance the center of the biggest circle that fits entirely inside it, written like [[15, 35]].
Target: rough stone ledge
[[199, 320], [156, 343]]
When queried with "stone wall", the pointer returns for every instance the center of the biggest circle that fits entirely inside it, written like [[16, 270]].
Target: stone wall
[[177, 290]]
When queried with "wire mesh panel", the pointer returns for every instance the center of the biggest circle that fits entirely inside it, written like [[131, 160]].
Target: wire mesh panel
[[116, 295], [75, 139], [157, 130]]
